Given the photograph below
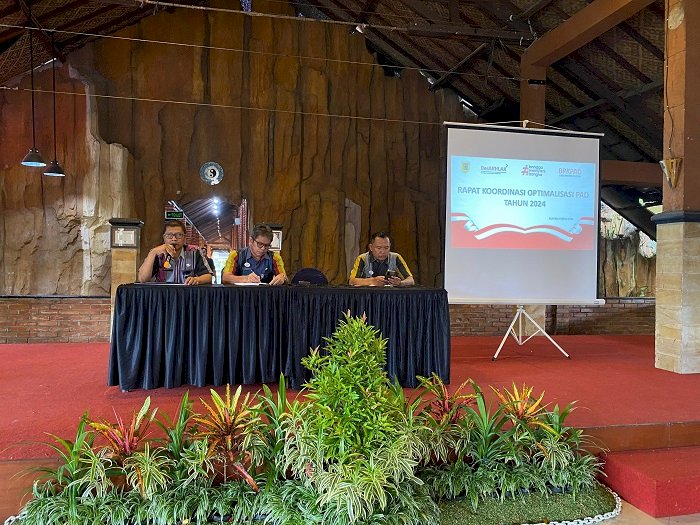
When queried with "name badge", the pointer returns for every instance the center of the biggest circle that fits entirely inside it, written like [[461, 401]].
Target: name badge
[[247, 265]]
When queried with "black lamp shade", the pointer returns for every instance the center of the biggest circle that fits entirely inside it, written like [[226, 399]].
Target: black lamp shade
[[54, 170], [33, 159]]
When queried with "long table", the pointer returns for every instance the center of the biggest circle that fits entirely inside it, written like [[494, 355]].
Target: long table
[[172, 335]]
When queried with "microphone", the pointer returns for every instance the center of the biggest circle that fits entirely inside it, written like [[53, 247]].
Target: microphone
[[167, 263]]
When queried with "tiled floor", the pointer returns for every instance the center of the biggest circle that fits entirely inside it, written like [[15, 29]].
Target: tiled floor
[[633, 516]]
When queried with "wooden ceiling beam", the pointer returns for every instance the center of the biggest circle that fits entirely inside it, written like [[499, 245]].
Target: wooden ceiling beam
[[644, 127], [10, 10], [367, 9], [638, 174], [476, 33], [398, 47], [534, 9], [601, 103], [587, 24], [456, 68], [631, 32], [43, 36], [504, 11], [454, 11], [442, 28], [602, 125], [78, 21]]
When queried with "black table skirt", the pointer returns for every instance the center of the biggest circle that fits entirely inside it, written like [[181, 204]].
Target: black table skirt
[[171, 335]]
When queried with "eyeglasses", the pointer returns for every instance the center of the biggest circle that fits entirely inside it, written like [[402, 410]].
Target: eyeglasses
[[262, 245], [173, 235]]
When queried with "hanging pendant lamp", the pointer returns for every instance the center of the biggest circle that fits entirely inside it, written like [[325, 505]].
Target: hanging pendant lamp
[[33, 158], [54, 169]]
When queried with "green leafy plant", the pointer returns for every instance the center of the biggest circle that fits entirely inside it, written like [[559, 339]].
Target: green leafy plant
[[176, 430], [353, 449], [275, 413], [148, 471], [353, 442]]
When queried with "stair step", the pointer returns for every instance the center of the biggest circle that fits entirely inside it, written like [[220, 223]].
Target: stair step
[[661, 482]]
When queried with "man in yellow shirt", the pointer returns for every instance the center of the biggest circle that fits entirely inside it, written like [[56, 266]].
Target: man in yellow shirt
[[380, 266]]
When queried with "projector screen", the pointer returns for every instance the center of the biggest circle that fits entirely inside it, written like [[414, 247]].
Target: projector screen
[[521, 215]]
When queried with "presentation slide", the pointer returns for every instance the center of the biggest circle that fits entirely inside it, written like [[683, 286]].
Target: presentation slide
[[522, 204], [521, 223]]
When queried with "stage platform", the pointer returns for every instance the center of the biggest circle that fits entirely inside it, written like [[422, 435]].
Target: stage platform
[[621, 398]]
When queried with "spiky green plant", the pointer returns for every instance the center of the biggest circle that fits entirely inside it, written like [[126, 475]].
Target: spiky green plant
[[232, 432], [124, 439], [275, 413], [148, 471]]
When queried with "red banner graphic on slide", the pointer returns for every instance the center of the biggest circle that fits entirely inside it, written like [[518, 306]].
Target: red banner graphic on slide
[[513, 237]]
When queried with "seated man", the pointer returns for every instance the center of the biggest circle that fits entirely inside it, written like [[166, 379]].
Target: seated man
[[172, 262], [255, 264], [380, 266]]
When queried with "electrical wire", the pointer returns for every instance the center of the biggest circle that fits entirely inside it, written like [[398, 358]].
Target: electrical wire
[[230, 106], [262, 53]]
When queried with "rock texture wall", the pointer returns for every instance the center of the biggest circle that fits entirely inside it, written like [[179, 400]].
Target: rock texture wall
[[305, 124], [54, 236], [299, 117]]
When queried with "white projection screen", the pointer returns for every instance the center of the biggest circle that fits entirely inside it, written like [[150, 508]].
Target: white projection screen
[[521, 221]]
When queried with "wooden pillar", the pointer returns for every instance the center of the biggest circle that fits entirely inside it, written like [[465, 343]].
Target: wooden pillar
[[532, 109], [532, 93], [678, 227], [125, 238], [587, 24]]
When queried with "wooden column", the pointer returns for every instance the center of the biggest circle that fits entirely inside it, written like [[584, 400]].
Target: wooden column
[[580, 29], [125, 237], [678, 230]]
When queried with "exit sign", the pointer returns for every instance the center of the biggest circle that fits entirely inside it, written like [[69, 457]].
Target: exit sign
[[172, 215]]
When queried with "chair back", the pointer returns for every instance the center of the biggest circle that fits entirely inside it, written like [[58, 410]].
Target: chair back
[[309, 276]]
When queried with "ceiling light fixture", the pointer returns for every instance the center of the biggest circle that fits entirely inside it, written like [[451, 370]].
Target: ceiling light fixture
[[32, 158], [54, 169]]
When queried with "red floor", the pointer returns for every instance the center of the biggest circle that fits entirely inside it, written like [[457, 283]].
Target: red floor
[[45, 388]]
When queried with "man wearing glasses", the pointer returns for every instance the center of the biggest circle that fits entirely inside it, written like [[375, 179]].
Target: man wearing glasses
[[173, 262], [255, 264]]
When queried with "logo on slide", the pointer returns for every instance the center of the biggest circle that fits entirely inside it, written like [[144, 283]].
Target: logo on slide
[[465, 167]]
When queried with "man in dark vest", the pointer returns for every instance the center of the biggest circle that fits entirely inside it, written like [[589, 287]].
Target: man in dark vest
[[380, 266], [173, 261], [255, 264]]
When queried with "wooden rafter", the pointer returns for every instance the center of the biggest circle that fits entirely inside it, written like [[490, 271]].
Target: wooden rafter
[[458, 67], [602, 103], [575, 32], [367, 9], [42, 35], [434, 27], [534, 9]]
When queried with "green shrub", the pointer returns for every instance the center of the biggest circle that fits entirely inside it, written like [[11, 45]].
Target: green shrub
[[352, 442], [356, 451]]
